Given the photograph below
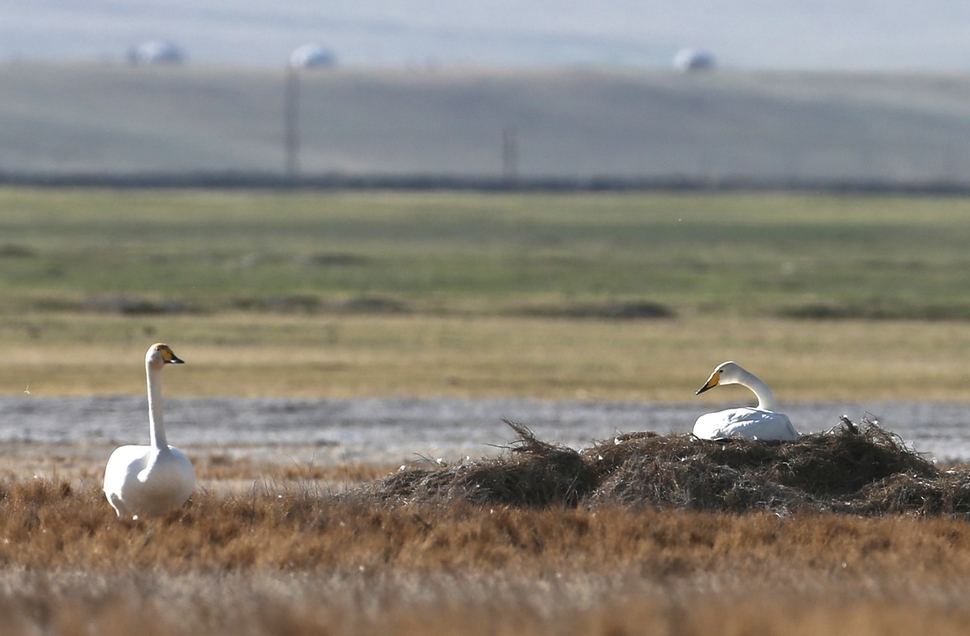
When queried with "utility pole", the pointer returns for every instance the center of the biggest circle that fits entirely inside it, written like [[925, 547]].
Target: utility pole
[[510, 154], [291, 121]]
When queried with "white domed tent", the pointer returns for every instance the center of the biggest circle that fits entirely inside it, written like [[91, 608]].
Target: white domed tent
[[312, 55], [693, 60], [155, 52]]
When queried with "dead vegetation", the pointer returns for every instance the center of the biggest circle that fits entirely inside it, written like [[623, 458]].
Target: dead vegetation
[[639, 534], [850, 469], [54, 526], [633, 501], [224, 467], [403, 605], [212, 468], [295, 561]]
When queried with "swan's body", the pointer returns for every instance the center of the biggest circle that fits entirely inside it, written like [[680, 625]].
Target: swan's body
[[150, 480], [749, 423]]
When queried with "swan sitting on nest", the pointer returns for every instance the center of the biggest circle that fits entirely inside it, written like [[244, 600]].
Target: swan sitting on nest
[[150, 480], [760, 423]]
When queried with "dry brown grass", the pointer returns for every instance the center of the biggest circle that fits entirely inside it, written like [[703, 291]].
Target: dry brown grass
[[292, 557], [85, 464], [426, 355], [409, 605], [295, 561], [220, 467], [54, 526]]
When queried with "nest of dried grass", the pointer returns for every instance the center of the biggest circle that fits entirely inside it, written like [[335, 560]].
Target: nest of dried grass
[[849, 469]]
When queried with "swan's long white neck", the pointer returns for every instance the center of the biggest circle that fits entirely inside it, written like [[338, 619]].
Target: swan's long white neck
[[766, 399], [155, 424]]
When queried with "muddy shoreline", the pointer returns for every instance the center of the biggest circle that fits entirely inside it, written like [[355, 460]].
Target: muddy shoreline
[[390, 430]]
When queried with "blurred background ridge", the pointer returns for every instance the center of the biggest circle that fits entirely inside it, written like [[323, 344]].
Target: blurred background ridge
[[628, 93], [566, 124]]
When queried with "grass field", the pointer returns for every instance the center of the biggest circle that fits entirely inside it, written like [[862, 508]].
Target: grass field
[[285, 555], [362, 294], [347, 356], [370, 294], [292, 560], [741, 254]]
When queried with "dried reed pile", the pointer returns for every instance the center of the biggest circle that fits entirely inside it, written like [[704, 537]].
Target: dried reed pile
[[849, 469]]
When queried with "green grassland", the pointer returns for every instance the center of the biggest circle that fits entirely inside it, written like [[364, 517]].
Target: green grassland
[[351, 293], [742, 254]]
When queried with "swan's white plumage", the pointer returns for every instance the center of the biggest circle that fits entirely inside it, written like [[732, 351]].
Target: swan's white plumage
[[150, 480], [761, 423], [749, 423]]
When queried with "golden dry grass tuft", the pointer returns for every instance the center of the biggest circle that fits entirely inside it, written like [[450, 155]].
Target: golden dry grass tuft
[[534, 554], [294, 561], [55, 526]]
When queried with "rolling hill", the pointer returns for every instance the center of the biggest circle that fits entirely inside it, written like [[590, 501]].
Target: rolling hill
[[572, 123]]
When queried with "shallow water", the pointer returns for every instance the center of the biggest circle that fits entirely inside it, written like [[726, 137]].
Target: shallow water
[[395, 430]]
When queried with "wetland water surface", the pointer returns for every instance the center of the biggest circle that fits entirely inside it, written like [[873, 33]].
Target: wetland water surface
[[391, 430]]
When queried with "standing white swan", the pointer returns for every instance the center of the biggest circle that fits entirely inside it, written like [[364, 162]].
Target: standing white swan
[[745, 422], [150, 480]]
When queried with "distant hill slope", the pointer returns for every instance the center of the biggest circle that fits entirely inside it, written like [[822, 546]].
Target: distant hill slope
[[568, 123]]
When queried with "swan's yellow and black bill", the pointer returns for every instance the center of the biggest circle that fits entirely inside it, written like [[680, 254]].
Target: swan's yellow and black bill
[[711, 382], [168, 356]]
